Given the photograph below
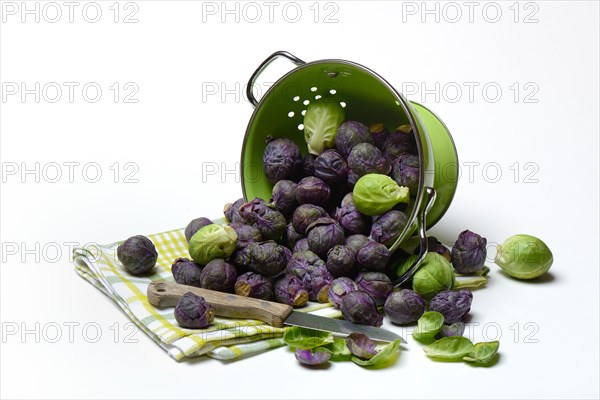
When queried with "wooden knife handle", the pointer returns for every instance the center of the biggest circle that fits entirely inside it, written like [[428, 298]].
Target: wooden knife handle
[[164, 294]]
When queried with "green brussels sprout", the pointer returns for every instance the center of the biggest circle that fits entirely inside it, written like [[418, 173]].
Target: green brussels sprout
[[524, 257], [211, 242], [374, 194], [435, 274], [321, 121], [137, 254]]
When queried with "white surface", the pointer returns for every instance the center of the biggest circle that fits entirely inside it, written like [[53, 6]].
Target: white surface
[[169, 54]]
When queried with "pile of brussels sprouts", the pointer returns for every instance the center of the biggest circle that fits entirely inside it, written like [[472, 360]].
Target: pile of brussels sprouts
[[324, 236]]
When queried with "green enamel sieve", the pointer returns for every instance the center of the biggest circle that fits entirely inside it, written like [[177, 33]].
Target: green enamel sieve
[[368, 98]]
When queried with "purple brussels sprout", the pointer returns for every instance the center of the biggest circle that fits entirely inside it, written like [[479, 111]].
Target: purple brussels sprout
[[339, 288], [283, 197], [232, 211], [386, 229], [291, 237], [402, 141], [186, 272], [404, 307], [356, 242], [312, 190], [405, 171], [455, 329], [331, 167], [254, 285], [360, 308], [317, 283], [436, 246], [218, 275], [290, 290], [453, 305], [380, 134], [469, 252], [323, 234], [301, 245], [352, 220], [269, 222], [137, 254], [305, 215], [351, 133], [366, 159], [301, 262], [310, 269], [308, 164], [308, 357], [373, 256], [287, 254], [193, 312], [361, 346], [347, 200], [281, 159], [246, 234], [340, 261], [353, 177], [265, 258], [194, 226], [376, 284]]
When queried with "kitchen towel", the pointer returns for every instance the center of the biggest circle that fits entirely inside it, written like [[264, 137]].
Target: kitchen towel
[[225, 339]]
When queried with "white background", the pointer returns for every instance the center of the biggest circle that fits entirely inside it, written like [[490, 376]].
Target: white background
[[175, 52]]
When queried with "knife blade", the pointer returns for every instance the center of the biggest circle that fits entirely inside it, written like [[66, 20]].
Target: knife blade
[[165, 294]]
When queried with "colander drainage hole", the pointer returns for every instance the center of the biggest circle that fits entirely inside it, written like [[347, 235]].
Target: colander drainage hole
[[301, 127], [317, 97], [296, 98], [303, 112], [291, 114], [313, 89], [306, 102], [342, 104], [333, 91]]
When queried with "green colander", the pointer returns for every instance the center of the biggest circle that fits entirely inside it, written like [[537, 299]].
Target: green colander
[[368, 98]]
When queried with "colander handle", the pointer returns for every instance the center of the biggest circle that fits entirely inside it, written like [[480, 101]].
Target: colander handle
[[422, 232], [261, 68]]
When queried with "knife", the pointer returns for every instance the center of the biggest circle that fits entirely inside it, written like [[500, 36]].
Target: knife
[[164, 294]]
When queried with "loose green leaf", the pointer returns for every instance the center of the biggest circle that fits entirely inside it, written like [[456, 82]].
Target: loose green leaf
[[428, 326], [470, 282], [452, 348], [303, 338], [483, 352], [337, 349], [386, 356]]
